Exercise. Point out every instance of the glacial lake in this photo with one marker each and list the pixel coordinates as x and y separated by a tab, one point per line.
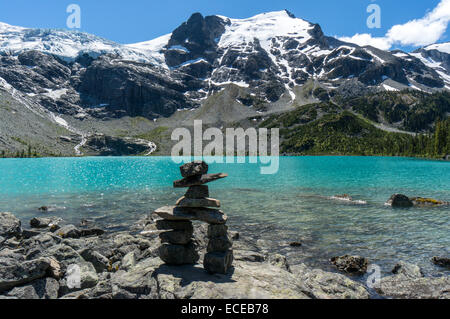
274	210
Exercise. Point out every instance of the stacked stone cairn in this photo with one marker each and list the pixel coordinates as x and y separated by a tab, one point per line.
177	247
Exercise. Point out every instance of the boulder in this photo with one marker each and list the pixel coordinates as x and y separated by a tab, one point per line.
194	168
46	288
78	276
198	180
44	222
22	273
99	261
10	225
218	262
351	264
199	191
197	202
399	200
178	254
441	261
68	231
210	216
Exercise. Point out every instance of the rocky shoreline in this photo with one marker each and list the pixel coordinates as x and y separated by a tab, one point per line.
51	260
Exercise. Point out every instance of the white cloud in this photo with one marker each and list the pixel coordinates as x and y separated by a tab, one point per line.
418	32
367	39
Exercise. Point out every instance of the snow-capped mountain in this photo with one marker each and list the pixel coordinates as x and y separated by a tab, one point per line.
67	45
274	59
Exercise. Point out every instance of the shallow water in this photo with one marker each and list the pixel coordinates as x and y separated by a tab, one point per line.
292	205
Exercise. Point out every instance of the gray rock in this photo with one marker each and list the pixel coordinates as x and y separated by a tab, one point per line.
198	180
178	254
137	281
44	222
217	231
68	231
177	237
78	276
199	191
219	244
194	168
128	261
403	287
208	215
248	255
10	226
399	200
85	232
319	284
198	202
99	261
407	269
46	288
247	280
22	273
441	261
218	262
351	264
279	261
174	225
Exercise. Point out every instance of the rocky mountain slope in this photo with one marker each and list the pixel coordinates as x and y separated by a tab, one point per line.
214	68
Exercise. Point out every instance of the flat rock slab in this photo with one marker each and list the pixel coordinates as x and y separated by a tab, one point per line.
194	168
208	215
198	180
198	202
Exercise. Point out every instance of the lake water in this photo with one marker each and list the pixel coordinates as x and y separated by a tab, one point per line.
292	205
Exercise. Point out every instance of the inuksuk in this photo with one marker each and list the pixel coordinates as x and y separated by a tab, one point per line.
177	247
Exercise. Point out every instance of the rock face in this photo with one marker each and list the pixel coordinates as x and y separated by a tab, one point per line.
351	264
399	200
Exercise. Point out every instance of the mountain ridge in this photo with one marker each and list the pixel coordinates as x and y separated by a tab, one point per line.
214	68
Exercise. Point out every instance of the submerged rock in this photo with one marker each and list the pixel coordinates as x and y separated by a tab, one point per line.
44	222
419	201
351	264
441	261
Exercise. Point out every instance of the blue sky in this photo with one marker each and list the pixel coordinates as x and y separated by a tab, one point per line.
140	20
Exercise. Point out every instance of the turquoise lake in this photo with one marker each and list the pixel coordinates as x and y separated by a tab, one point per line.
292	205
